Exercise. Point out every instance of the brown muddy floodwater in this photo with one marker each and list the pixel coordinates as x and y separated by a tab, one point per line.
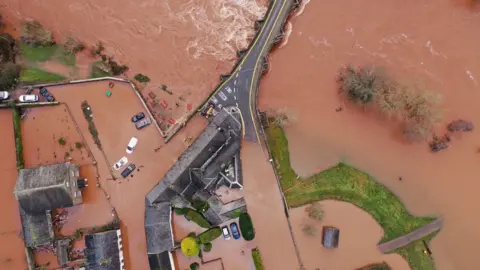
435	43
184	44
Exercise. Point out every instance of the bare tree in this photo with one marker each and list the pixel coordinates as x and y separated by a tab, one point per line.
309	230
315	211
283	116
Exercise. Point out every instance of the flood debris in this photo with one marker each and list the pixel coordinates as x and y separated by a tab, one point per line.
439	143
460	126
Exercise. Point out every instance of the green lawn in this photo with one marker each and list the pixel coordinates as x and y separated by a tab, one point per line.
348	184
30	75
42	54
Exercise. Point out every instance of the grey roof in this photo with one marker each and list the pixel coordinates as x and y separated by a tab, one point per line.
158	227
210	140
330	237
44	188
36	228
160	261
102	251
62	251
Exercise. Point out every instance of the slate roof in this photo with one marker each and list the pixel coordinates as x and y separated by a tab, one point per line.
160	261
102	251
36	228
44	188
62	251
158	227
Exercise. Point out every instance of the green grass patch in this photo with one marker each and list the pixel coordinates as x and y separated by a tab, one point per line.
345	183
39	75
210	235
96	72
45	53
17	131
257	259
415	256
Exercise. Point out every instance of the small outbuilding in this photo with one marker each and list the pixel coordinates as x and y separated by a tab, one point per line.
36	228
330	237
49	187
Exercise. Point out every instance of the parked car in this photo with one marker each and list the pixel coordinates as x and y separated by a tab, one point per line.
137	117
234	229
131	145
226	233
4	95
143	123
208	110
128	170
120	163
46	94
28	98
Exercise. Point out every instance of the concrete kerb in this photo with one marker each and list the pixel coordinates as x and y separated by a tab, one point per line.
132	85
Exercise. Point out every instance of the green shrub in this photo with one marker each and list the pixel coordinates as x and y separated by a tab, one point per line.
246	227
180	211
197	218
62	141
207	247
257	259
210	235
200	205
141	78
358	84
73	45
192	234
377	266
78	145
194	266
33	33
7	48
87	112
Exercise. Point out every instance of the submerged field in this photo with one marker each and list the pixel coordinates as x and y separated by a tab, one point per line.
348	184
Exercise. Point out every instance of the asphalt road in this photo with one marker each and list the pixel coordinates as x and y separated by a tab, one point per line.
240	88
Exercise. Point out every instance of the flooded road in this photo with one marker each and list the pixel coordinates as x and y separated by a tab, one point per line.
183	44
425	50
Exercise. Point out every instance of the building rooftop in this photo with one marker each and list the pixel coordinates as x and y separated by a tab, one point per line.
158	227
104	251
162	261
44	188
36	228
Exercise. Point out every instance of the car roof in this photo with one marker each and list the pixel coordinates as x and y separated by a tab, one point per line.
133	140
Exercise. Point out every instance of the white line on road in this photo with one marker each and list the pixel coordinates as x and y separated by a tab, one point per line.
237	104
235	97
236	76
235	82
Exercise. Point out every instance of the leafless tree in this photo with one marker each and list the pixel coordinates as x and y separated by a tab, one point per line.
283	116
315	211
309	230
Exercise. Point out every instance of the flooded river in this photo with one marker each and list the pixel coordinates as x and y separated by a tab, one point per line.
430	43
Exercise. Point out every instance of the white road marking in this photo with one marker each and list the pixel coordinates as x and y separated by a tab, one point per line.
235	97
222	96
214	100
237	104
236	76
235	82
220	106
229	90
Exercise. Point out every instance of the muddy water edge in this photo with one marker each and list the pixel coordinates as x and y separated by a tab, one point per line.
432	43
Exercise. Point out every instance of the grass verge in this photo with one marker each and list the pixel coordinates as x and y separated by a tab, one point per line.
414	254
45	53
257	259
31	75
348	184
17	129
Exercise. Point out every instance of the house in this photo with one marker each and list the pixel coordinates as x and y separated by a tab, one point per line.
49	187
104	251
63	246
158	230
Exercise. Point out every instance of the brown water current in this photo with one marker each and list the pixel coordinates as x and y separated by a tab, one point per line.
432	43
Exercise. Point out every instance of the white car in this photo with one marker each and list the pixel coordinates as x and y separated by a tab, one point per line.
4	95
120	163
28	98
131	145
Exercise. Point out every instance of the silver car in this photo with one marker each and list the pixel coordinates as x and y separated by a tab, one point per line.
28	98
143	123
4	95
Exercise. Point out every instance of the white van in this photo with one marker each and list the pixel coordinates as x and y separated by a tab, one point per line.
131	145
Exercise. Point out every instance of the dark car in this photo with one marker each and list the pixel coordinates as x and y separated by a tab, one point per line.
207	110
137	117
128	170
143	123
234	229
46	94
